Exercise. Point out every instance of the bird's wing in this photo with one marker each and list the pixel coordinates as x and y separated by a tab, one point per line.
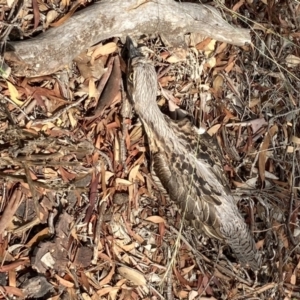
197	206
205	205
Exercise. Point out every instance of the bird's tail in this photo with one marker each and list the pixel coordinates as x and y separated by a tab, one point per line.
243	245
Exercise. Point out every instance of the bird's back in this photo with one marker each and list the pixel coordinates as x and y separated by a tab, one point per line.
190	170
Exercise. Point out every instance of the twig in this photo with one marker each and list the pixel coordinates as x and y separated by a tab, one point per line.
59	113
107	160
3	294
243	124
72	273
257	291
125	113
280	270
291	204
32	190
169	285
10	209
156	291
219	267
284	114
251	205
15	105
51	217
27	226
102	209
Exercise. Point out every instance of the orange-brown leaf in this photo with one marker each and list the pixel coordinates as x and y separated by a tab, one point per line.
262	157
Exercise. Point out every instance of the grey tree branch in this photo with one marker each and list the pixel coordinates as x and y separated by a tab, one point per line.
58	46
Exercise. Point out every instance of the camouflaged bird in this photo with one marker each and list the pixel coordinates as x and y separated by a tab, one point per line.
188	165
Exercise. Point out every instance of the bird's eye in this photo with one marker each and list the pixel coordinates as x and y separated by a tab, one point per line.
130	77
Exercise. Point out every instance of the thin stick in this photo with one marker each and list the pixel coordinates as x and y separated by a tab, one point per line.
59	113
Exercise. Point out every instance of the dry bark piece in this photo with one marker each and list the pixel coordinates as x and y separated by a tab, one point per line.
111	89
37	287
83	257
54	255
56	48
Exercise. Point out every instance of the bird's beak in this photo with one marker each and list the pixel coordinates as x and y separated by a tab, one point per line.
132	50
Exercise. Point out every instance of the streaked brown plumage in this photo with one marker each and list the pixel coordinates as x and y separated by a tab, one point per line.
188	166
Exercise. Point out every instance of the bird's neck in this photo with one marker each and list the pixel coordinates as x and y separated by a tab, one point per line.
157	126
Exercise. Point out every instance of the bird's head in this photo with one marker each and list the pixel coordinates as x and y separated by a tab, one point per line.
141	79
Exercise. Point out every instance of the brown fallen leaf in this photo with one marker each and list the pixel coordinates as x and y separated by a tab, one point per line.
292	60
104	50
281	233
66	16
136	277
10	209
218	86
156	219
14	94
203	45
214	129
106	290
36	287
181	278
64	282
10	290
109	276
36	14
262	157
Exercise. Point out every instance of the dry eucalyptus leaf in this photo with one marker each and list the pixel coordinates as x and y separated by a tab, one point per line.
14	94
177	56
292	60
85	296
214	129
172	59
156	219
10	3
262	157
253	102
132	275
133	173
193	39
218	83
93	92
51	16
209	48
192	295
104	49
203	45
108	175
97	69
123	182
182	294
49	173
132	178
211	62
249	184
295	140
290	149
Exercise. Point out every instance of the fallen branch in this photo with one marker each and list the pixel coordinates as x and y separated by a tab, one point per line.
58	46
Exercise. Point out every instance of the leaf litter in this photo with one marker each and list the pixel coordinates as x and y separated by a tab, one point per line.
81	216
